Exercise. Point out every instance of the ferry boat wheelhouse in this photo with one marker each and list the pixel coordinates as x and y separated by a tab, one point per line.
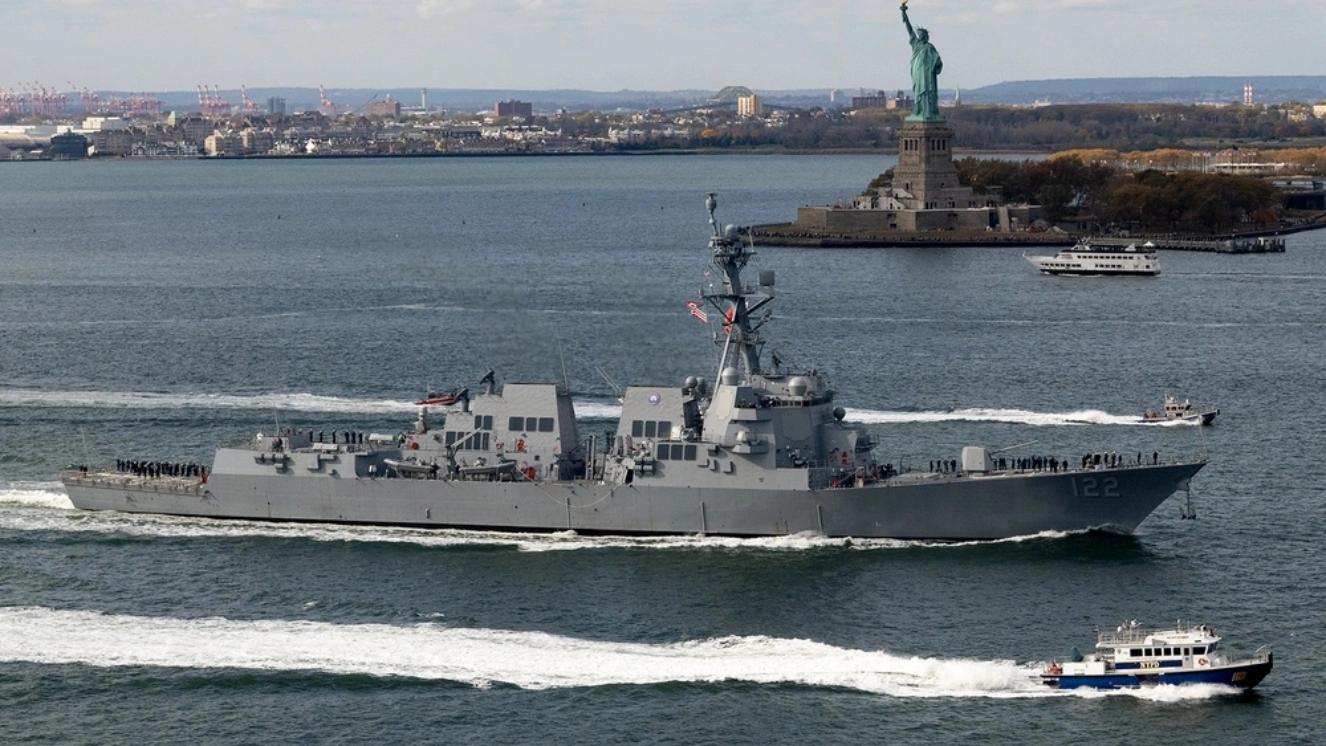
1085	259
1131	657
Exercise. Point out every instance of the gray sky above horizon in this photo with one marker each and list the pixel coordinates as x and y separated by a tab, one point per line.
660	45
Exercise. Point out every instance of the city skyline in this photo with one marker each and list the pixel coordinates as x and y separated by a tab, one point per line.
600	45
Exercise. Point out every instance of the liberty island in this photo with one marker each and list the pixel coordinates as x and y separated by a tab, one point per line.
922	197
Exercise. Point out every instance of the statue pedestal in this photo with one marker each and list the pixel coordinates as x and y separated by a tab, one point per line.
925	177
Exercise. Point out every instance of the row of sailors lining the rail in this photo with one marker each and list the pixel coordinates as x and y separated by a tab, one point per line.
1032	463
154	469
1106	460
1026	463
1112	459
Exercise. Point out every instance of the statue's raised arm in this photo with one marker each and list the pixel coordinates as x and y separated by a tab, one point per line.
907	22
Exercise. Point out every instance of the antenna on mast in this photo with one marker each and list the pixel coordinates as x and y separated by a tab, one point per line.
566	379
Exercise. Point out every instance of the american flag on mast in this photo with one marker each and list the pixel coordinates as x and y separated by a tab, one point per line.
697	312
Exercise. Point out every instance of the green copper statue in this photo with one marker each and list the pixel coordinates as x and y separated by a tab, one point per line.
926	67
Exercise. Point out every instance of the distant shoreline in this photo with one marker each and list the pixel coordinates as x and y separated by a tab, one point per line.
598	154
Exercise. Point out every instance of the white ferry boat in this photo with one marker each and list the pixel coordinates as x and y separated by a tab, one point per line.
1132	657
1084	259
1181	410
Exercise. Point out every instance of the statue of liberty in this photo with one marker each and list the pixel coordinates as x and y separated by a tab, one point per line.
926	67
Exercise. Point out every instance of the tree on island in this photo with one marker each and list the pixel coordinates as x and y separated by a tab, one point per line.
1150	201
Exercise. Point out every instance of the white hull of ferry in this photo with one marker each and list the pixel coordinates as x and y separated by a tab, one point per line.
1097	263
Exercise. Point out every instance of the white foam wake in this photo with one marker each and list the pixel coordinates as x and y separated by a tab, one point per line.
302	402
1012	416
298	402
148	525
585	408
480	657
35	494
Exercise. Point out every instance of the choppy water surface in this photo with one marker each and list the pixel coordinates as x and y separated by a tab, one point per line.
154	310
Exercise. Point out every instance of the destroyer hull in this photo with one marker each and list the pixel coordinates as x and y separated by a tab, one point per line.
956	508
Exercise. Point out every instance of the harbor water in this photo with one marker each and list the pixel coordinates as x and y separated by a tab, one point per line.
155	310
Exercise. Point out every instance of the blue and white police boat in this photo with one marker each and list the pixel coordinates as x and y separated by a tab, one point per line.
1131	656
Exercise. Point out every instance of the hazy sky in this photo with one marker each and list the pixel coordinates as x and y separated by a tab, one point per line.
613	44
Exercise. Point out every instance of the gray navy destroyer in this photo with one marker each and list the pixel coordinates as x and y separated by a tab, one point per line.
760	451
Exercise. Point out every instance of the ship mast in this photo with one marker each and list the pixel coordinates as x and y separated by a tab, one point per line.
737	303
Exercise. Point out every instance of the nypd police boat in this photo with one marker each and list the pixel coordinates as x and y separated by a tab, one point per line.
1131	656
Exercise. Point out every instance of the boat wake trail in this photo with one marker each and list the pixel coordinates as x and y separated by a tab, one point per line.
36	495
483	657
26	497
1011	416
589	409
300	402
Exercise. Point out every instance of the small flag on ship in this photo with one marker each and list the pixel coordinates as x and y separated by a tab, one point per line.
697	312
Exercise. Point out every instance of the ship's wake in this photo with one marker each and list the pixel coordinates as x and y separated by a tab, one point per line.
588	409
485	657
43	506
1009	416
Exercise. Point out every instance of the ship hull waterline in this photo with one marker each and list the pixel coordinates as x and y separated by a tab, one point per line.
949	508
1239	675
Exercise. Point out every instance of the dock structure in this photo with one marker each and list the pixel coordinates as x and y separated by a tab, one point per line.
1259	245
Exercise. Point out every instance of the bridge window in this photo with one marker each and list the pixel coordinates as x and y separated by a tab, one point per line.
1198	650
545	424
690	453
651	429
1135	652
516	424
1187	651
483	422
678	452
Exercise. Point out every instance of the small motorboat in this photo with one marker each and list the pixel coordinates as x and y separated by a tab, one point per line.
1176	410
502	470
1131	656
441	398
411	467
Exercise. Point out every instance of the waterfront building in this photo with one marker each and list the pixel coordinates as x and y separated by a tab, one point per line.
514	108
97	124
223	143
384	108
67	146
256	140
192	128
877	100
881	100
750	106
118	142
